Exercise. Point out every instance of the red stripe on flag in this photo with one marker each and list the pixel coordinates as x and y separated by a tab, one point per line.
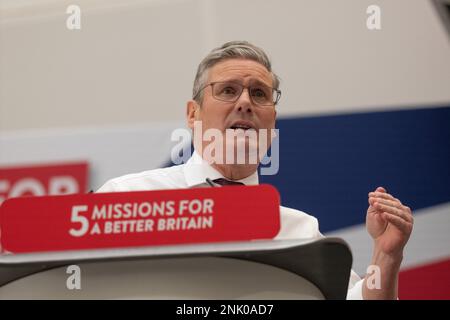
431	281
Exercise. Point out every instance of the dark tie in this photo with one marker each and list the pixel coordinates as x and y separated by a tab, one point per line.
225	182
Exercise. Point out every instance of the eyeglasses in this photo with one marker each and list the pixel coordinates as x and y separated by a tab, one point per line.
231	91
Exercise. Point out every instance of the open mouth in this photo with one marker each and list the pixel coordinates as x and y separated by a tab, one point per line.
242	126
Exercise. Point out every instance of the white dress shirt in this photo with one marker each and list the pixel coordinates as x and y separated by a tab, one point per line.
294	224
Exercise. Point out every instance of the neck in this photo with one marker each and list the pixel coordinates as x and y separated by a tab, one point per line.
236	171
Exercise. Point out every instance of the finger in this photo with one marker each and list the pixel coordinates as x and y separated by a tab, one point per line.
382	195
394	211
398	222
381	189
395	204
391	203
373	200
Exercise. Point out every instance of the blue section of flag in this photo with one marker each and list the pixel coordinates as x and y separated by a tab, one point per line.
328	164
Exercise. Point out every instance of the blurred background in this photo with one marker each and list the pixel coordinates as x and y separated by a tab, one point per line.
360	108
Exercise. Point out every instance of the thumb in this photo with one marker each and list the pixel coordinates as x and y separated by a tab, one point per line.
381	189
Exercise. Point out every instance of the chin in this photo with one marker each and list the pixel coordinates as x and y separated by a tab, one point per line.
244	152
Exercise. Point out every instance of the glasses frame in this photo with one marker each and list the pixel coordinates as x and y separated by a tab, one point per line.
274	103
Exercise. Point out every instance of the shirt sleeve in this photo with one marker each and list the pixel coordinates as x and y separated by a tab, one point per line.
109	186
355	287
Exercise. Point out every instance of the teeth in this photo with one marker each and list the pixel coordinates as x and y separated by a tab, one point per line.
240	127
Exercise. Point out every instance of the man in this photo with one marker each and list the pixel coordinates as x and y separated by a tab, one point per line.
235	89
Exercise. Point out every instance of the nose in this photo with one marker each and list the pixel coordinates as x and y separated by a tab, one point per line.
244	103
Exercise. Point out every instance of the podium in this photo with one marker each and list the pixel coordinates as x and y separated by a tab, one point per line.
262	269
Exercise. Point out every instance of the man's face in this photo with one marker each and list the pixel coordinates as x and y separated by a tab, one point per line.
227	115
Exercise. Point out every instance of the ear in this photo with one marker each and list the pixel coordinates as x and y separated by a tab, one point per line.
192	109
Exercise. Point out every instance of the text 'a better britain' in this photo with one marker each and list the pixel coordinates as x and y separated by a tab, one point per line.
139	217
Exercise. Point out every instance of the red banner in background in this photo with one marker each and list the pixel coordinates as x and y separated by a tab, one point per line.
144	218
40	180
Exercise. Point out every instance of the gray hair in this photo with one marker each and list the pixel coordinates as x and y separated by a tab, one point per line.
230	50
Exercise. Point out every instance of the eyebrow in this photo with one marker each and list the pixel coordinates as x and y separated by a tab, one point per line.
252	81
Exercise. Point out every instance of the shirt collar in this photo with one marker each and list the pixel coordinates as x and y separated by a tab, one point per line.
196	170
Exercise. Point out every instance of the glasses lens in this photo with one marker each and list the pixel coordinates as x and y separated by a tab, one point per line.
262	95
227	91
230	92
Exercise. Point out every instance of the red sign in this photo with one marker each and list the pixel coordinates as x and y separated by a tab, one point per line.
64	178
131	219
